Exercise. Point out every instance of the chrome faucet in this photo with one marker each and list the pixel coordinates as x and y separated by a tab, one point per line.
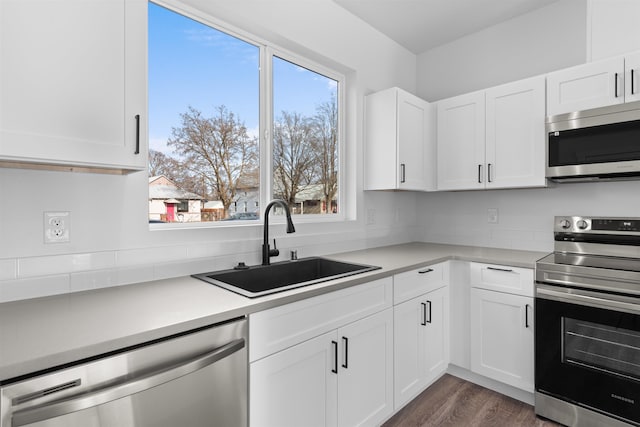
267	252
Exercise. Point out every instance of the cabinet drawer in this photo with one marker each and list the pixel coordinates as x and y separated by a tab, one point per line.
281	327
502	278
419	281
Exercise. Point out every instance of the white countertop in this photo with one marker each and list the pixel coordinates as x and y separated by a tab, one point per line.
41	333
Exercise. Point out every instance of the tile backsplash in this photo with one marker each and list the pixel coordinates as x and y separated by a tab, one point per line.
33	277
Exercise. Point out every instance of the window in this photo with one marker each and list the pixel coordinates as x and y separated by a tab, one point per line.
305	138
205	112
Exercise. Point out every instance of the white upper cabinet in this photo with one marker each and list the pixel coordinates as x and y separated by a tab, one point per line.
73	83
612	28
493	138
399	147
461	142
515	153
587	86
632	82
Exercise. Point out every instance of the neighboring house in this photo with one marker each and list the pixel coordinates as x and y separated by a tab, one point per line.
247	201
310	200
170	203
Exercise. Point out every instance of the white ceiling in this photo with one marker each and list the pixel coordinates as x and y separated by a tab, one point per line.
420	25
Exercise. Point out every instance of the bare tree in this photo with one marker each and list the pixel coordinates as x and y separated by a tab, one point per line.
293	155
218	152
326	149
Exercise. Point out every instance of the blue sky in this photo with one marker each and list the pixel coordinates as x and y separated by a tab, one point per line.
191	64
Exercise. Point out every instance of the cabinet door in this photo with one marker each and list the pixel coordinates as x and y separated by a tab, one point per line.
365	379
515	146
297	386
632	80
502	337
437	332
421	343
409	360
399	151
612	28
415	143
461	142
72	80
592	85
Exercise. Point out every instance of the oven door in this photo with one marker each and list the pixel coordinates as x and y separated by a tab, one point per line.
587	348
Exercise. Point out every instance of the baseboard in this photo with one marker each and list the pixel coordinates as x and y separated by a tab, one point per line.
498	387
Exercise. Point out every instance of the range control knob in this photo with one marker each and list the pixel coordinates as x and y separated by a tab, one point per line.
582	224
565	223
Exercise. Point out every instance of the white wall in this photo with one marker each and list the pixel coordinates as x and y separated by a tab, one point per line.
111	243
544	40
525	217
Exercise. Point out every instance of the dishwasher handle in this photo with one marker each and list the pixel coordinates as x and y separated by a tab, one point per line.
127	388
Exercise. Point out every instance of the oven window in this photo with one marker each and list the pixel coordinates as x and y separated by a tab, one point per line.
601	347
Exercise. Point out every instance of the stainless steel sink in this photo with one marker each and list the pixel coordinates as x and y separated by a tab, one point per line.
262	280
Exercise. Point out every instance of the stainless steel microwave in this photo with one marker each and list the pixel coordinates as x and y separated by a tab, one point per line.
598	144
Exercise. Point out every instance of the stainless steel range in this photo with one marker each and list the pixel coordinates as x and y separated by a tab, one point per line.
587	323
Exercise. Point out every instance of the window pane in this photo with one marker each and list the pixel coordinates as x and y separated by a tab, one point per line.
203	121
305	139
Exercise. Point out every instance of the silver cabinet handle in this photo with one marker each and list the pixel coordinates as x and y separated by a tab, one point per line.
135	385
403	171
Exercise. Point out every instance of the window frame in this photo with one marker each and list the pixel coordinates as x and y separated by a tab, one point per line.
267	51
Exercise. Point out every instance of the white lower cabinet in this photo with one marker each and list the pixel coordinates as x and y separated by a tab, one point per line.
354	356
421	343
502	337
365	372
343	377
296	386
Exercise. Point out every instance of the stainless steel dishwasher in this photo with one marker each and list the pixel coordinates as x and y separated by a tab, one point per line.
195	379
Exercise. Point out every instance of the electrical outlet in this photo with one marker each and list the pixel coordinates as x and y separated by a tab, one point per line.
371	216
57	227
492	215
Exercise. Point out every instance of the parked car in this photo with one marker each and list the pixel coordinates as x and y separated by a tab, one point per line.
245	216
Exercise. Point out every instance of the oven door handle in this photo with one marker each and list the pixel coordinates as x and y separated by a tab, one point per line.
127	388
587	298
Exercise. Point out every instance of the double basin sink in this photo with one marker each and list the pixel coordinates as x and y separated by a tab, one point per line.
263	280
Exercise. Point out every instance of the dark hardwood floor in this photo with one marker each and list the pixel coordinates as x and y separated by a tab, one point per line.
451	401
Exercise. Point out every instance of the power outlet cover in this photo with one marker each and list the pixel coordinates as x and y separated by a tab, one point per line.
492	215
57	227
